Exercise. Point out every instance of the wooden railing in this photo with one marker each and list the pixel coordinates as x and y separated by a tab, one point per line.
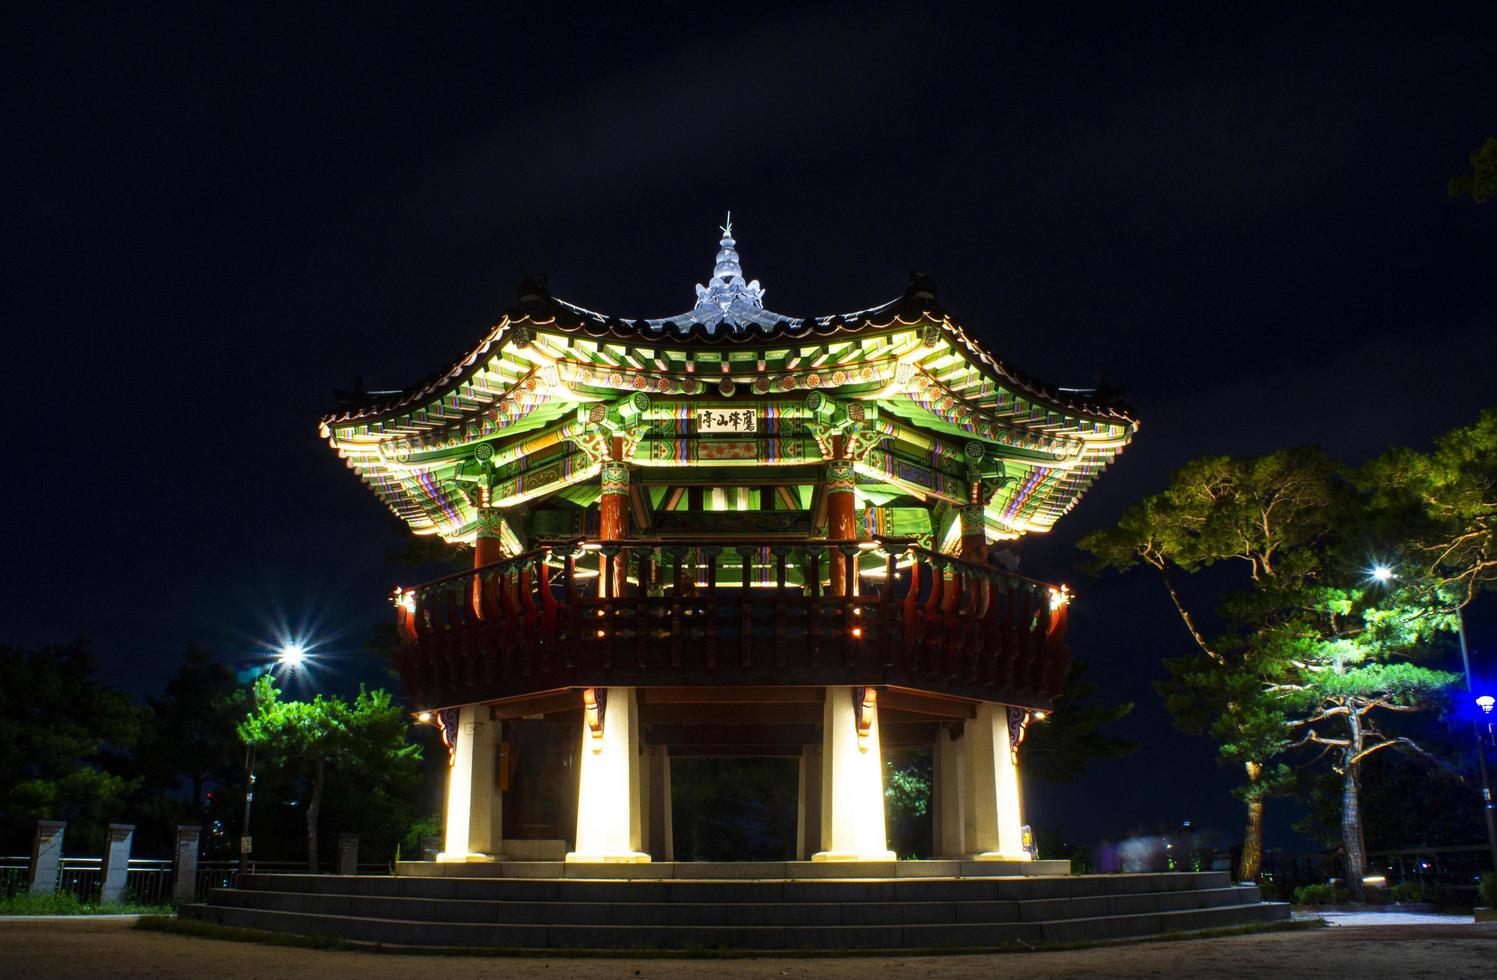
693	612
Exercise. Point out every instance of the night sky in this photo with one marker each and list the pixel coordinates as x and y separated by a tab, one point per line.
218	214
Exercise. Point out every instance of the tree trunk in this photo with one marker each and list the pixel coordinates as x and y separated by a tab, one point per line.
1352	844
314	807
1252	834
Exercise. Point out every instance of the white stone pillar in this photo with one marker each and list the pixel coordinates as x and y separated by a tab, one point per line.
474	826
185	864
348	854
46	856
946	811
116	862
992	820
852	783
609	828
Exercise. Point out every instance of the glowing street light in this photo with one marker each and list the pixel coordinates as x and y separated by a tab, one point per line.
1382	573
291	655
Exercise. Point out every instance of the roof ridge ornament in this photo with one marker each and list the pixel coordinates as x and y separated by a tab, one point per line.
728	298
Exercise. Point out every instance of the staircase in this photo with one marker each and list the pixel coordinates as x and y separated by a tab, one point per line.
675	912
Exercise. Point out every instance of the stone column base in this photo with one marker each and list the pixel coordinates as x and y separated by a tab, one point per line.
849	856
1000	856
460	857
635	857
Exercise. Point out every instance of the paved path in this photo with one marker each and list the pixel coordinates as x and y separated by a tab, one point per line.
110	948
1387	918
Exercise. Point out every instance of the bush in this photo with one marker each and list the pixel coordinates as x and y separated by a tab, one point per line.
69	904
1407	891
410	845
1272	891
1318	895
27	904
1488	890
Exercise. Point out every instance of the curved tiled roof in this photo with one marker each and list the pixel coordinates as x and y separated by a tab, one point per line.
949	403
537	307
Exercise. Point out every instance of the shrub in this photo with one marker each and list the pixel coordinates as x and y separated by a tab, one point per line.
1272	891
68	904
63	903
1407	891
1318	895
1488	890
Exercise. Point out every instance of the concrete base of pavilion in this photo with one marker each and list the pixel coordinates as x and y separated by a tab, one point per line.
904	905
730	870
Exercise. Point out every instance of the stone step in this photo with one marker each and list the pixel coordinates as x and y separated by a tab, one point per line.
747	870
805	936
683	890
729	913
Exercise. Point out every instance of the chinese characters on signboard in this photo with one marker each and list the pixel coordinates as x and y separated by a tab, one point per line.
721	420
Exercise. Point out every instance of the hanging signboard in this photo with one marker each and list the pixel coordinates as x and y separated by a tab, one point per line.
727	420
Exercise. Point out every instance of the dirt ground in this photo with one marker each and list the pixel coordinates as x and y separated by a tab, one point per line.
110	948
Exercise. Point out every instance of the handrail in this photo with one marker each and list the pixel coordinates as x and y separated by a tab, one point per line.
468	572
668	609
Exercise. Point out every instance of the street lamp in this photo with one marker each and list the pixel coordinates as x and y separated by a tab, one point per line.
1485	702
1383	574
290	656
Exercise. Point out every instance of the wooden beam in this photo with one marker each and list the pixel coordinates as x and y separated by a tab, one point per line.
887	716
924	703
730	694
756	735
730	714
548	702
639	503
737	752
904	735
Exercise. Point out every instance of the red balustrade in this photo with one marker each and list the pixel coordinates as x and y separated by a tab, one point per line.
691	612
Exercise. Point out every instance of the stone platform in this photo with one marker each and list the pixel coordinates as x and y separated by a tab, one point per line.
721	870
756	906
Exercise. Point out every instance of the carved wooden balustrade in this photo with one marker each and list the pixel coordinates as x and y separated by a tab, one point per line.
692	612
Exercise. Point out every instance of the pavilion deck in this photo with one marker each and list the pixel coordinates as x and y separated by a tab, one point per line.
689	612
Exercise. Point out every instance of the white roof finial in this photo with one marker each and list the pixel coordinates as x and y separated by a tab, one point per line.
727	296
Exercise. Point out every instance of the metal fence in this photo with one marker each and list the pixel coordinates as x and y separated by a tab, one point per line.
1281	873
1449	875
150	881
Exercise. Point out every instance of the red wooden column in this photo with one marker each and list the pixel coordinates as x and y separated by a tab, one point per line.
974	534
613	506
488	546
841	512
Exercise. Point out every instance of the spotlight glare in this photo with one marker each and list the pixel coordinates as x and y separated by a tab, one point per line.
291	655
1383	573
